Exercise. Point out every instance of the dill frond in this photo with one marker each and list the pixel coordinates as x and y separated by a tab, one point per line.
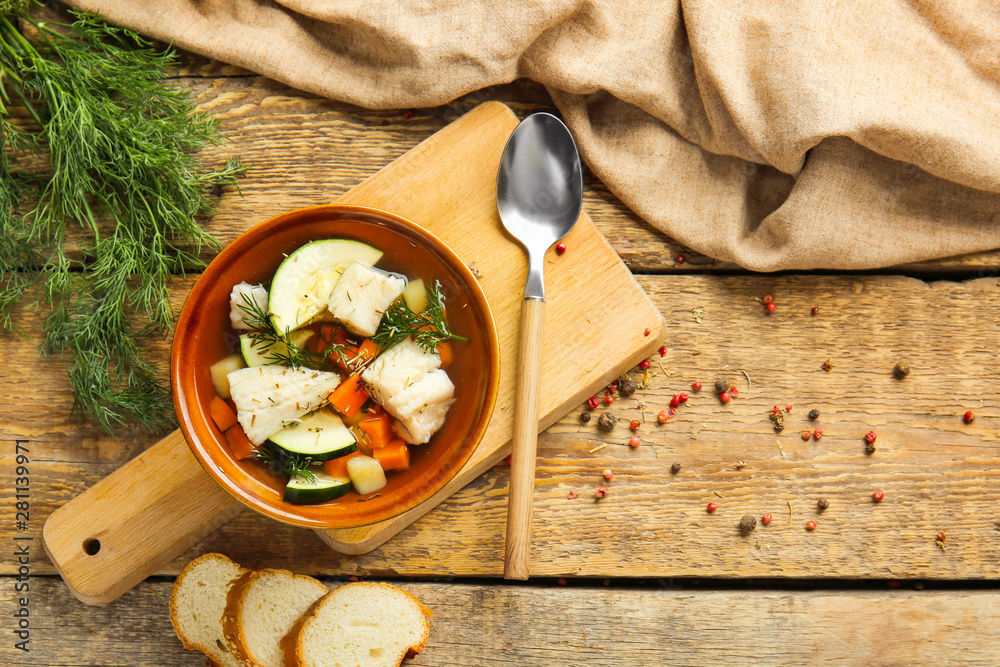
427	328
116	144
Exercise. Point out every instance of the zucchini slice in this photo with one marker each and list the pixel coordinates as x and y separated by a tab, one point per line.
304	281
300	491
319	436
254	355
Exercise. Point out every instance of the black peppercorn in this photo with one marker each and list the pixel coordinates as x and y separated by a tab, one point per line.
675	468
814	414
722	384
869	448
585	417
779	426
626	387
748	523
900	371
607	421
823	503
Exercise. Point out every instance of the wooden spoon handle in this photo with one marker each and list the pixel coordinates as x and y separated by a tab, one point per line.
522	462
131	523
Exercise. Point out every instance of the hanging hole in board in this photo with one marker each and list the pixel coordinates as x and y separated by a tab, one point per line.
91	546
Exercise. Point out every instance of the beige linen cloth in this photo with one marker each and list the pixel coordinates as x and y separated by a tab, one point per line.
775	134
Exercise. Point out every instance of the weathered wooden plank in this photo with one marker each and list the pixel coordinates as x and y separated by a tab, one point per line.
938	473
479	625
302	150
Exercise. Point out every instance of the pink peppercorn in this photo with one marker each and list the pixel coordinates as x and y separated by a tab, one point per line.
634	441
601	492
560	248
645	363
711	507
608	473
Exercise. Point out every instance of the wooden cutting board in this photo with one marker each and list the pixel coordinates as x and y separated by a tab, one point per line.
598	323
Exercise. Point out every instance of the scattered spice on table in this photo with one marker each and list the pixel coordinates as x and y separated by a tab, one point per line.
699	314
722	384
877	496
572	495
771	307
601	492
789	509
725	397
968	417
560	248
626	387
822	503
815	310
740	465
748	523
900	370
711	507
680	259
827	366
607	421
940	540
634	424
585	417
766	519
695	386
597	449
813	414
818	433
634	441
675	468
664	415
806	435
608	473
810	525
663	351
593	402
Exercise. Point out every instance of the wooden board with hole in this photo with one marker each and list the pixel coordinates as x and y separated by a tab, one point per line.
446	184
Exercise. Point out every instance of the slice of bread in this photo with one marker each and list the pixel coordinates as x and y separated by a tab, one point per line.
197	602
364	624
262	608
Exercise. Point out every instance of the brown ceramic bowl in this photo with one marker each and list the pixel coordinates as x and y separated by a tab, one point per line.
204	336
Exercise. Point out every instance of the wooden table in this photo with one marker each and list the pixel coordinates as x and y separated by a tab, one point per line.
645	576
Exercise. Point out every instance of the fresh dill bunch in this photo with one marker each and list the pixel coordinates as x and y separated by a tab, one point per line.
427	328
284	463
114	150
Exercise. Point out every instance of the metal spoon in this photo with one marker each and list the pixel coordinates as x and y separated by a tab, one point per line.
539	195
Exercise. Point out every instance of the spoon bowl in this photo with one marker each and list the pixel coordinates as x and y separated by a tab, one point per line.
539	197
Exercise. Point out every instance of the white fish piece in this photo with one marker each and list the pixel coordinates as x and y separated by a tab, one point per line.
362	295
410	384
420	426
396	368
267	397
242	292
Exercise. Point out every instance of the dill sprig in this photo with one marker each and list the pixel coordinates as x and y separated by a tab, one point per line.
284	463
427	328
277	345
279	348
109	148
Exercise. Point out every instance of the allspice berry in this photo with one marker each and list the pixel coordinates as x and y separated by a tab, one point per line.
748	523
722	384
626	387
814	414
900	371
823	503
675	468
607	421
585	417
